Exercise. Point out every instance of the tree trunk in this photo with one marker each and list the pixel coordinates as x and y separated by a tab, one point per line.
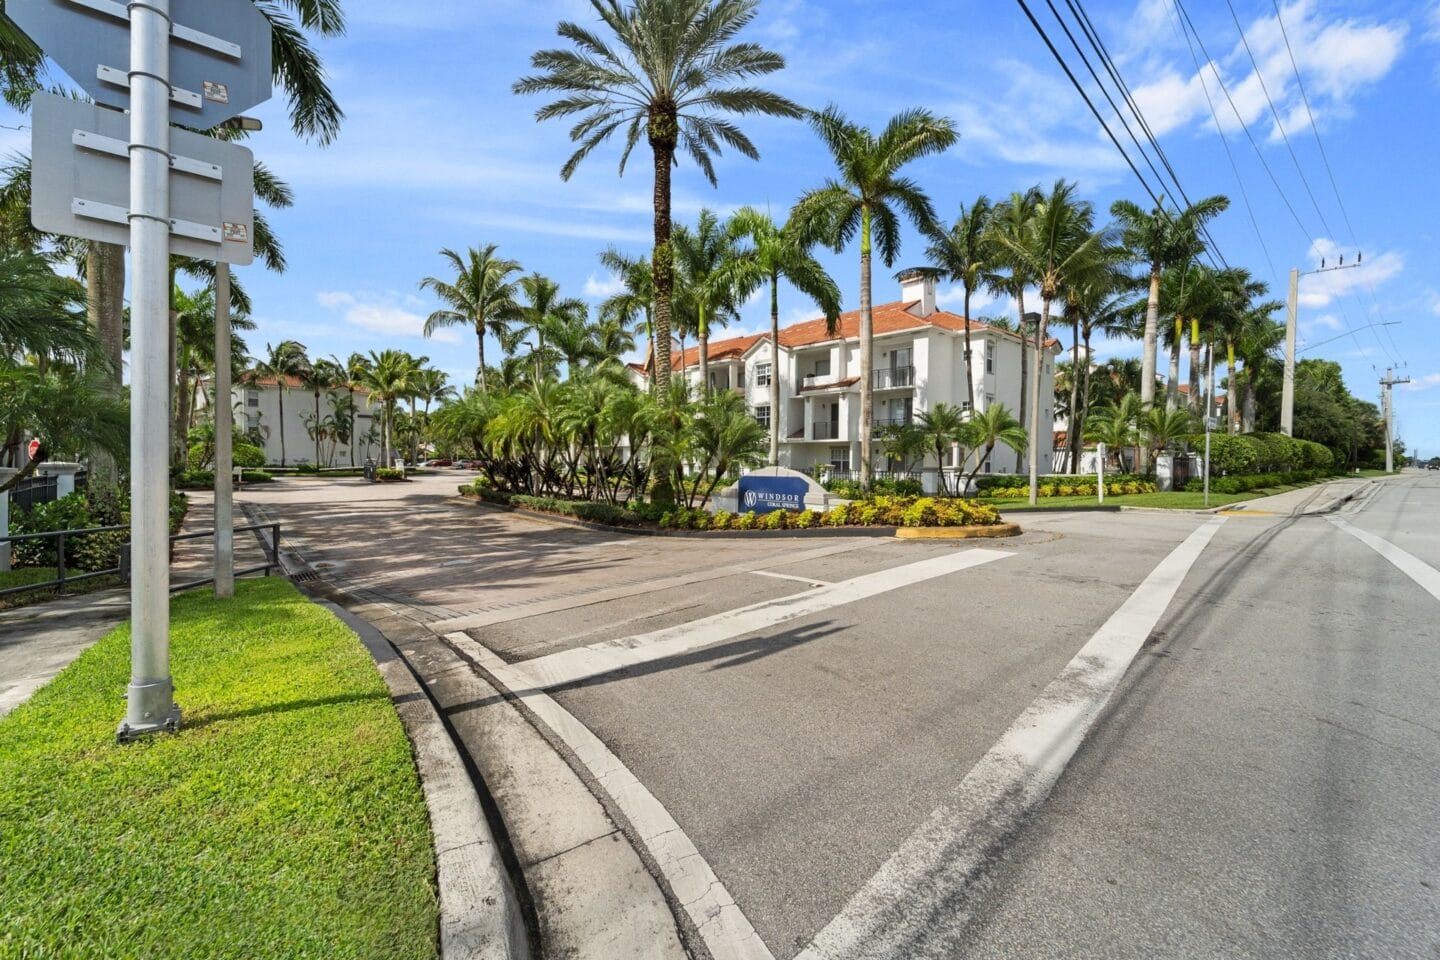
317	429
1080	416
1147	361
105	310
1172	382
702	337
1073	466
774	369
351	444
280	392
1247	419
867	345
1195	405
1037	366
1024	359
480	348
663	130
969	355
1232	392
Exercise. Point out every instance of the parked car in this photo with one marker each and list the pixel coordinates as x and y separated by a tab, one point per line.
439	463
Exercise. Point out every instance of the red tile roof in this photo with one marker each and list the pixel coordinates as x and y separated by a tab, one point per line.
885	318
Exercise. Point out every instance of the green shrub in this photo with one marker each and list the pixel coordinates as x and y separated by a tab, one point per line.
245	455
389	474
256	476
313	469
196	480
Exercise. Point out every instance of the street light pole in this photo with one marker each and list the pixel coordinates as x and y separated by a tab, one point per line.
151	700
1385	385
224	450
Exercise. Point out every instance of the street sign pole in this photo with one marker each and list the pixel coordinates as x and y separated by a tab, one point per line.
1100	471
224	421
1209	425
151	701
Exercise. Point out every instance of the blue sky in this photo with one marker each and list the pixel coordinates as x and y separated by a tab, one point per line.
436	152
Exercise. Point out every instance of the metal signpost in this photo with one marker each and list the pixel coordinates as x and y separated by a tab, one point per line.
1100	471
194	62
1210	424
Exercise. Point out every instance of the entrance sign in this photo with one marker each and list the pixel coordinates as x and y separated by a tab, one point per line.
766	494
219	53
80	182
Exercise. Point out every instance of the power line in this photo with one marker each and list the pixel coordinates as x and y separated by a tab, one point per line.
1088	102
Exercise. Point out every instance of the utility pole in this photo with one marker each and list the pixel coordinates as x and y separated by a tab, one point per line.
224	449
1287	388
1385	385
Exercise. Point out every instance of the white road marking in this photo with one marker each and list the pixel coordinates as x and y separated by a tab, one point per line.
608	656
1412	566
722	924
916	906
790	576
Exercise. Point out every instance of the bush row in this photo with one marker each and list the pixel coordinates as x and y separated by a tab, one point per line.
200	455
205	479
1073	487
851	489
579	509
1255	481
78	511
389	474
1262	453
986	484
875	512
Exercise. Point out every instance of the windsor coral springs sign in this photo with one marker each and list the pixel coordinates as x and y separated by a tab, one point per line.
765	494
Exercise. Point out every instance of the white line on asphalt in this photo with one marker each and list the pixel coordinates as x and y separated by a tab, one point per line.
790	576
722	924
1412	566
915	907
608	656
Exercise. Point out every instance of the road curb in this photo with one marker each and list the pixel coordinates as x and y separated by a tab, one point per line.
481	916
958	533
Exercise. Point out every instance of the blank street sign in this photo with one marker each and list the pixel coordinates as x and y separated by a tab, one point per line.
219	52
80	182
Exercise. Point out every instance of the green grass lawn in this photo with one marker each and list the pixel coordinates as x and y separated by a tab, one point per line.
284	820
1178	500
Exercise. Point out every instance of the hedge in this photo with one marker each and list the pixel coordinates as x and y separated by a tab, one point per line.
875	512
1262	453
1001	481
1255	481
851	489
389	474
587	510
1073	487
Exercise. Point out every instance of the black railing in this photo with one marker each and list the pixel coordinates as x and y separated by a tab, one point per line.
824	430
63	577
894	377
877	426
33	491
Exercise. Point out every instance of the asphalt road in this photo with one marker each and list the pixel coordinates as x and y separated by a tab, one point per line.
1260	784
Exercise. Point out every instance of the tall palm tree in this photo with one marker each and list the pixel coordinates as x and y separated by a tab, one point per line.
632	306
1096	304
702	256
320	377
389	379
943	427
1117	426
867	199
1059	244
1161	238
965	254
353	374
1010	220
481	296
776	252
281	362
666	69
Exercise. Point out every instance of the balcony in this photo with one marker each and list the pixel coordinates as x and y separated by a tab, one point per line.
894	378
824	430
878	427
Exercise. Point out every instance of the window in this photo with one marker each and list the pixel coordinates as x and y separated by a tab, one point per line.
822	366
252	399
762	376
989	358
986	466
762	415
840	459
904	409
964	405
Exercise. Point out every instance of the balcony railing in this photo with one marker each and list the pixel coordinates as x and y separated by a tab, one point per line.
878	427
894	377
824	430
818	380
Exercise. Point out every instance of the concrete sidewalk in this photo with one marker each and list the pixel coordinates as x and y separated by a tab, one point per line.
38	641
1307	501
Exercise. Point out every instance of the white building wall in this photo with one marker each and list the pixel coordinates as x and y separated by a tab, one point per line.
260	405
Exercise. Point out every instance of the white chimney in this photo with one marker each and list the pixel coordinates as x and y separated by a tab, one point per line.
918	288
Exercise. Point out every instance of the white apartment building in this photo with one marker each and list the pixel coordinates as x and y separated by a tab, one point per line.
919	362
257	408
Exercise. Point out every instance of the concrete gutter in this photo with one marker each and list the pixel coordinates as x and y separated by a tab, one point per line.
481	916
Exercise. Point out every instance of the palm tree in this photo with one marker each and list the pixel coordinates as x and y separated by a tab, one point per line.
992	426
1163	428
1259	340
632	306
282	361
667	70
1010	220
389	379
943	427
1096	303
320	377
1161	239
776	252
542	311
965	254
481	296
1058	246
353	375
702	256
864	200
1117	426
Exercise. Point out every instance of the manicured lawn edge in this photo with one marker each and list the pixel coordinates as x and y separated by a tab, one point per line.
652	530
285	819
993	530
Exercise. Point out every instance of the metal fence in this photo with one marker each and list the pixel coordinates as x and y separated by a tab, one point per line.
63	576
32	491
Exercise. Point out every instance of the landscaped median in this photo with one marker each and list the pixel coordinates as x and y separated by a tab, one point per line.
285	819
961	518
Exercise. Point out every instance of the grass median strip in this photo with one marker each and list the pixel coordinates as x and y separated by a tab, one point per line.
284	820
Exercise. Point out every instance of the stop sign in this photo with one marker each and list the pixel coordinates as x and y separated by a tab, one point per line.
34	449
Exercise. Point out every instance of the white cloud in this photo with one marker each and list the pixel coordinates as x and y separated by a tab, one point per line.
598	288
1427	382
381	314
1435	306
1326	321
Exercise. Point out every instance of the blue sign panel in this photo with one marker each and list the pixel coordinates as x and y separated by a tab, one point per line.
764	494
